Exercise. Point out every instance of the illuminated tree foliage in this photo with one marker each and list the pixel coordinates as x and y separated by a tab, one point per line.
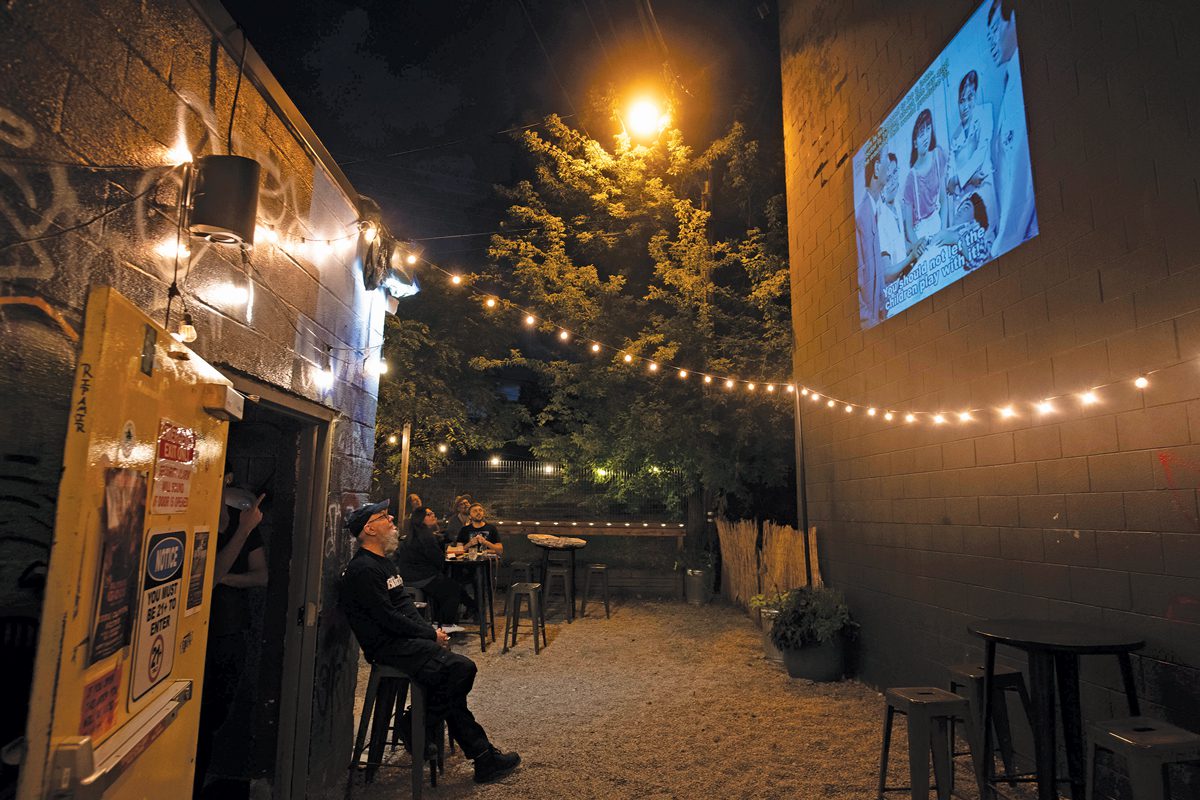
615	246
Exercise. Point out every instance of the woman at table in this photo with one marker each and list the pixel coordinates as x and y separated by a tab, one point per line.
478	532
421	558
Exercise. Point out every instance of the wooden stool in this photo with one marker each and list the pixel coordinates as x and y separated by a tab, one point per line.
537	615
1148	746
929	711
379	704
970	676
602	571
563	573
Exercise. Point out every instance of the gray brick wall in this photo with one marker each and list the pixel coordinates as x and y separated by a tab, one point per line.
1089	513
117	83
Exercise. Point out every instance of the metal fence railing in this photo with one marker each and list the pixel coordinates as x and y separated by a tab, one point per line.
543	490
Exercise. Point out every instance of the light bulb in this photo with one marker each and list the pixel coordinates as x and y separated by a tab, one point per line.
392	439
376	366
495	461
790	388
770	387
849	409
595	347
442	448
628	358
728	384
529	319
814	397
187	331
831	403
1141	382
1008	412
653	367
370	232
456	279
870	412
1045	407
683	373
750	387
910	418
1088	398
490	302
804	391
938	419
964	416
179	155
708	378
889	416
564	335
411	259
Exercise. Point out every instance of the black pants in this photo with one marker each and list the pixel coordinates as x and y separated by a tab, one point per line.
222	673
447	678
444	595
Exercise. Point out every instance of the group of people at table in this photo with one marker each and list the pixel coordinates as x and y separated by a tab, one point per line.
422	555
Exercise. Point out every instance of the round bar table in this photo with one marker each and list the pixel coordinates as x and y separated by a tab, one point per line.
569	544
1053	649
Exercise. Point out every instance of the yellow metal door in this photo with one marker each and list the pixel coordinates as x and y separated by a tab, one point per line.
116	695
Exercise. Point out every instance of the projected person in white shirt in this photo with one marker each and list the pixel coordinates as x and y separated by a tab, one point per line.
1010	148
871	303
971	149
898	258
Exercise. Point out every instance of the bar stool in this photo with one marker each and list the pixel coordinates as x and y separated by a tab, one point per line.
929	711
537	615
602	571
562	572
1148	746
379	714
522	569
970	676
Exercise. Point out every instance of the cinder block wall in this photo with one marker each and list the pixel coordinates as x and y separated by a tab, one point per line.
1086	515
115	84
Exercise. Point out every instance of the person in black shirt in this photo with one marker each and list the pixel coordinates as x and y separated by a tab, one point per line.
391	631
479	532
422	560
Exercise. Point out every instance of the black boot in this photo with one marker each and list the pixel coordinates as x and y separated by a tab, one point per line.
493	765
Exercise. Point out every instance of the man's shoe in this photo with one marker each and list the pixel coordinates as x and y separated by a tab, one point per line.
494	765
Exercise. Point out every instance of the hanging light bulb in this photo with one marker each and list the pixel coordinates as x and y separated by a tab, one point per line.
627	358
392	439
938	419
964	416
376	366
595	347
870	412
456	279
889	416
1045	407
849	408
564	335
1008	412
653	367
708	378
370	232
791	388
815	397
728	384
1141	382
442	448
1088	398
187	331
750	387
490	302
530	320
683	373
804	391
770	387
910	418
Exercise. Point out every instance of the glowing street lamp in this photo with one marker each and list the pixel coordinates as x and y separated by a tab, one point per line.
645	119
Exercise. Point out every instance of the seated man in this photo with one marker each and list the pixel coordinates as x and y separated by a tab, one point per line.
479	532
392	631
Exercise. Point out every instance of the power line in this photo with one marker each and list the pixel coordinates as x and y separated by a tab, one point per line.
550	63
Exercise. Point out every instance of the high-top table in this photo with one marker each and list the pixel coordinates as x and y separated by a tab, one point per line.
1053	649
567	544
481	566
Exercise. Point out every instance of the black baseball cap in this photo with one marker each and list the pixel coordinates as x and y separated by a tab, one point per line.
358	518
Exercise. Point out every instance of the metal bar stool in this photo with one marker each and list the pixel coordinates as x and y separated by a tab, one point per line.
1148	746
929	711
522	569
602	571
563	573
970	677
379	714
537	615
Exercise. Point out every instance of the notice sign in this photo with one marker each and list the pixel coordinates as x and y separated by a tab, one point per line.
100	703
195	592
158	611
173	467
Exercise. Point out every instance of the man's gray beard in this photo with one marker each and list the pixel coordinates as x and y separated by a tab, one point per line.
391	542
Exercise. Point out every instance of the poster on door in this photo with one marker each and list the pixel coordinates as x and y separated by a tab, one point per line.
121	530
174	463
195	592
158	611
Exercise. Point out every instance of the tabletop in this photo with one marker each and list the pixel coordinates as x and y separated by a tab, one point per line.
556	542
1059	636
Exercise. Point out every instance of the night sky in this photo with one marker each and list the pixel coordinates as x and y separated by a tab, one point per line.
435	81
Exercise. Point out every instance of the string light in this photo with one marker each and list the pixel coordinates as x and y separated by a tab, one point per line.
1141	382
653	367
889	416
1045	407
683	373
870	412
791	388
849	409
456	279
964	416
803	391
564	335
910	418
595	347
627	358
750	387
530	320
729	384
376	366
187	331
708	378
490	302
392	439
938	419
770	387
442	448
1008	412
831	403
814	397
1088	398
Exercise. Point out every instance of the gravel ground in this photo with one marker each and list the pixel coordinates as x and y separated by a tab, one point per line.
663	700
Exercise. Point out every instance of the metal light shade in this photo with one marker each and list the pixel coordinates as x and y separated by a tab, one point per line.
225	200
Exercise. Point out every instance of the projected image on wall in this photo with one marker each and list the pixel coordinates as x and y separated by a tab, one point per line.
945	184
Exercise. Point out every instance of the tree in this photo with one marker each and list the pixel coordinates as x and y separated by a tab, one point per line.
612	247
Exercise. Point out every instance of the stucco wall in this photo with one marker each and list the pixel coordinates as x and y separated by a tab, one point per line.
1085	514
114	85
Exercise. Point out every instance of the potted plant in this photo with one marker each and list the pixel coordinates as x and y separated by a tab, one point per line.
768	607
697	567
811	630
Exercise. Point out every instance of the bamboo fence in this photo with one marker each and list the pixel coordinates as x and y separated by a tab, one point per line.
739	560
777	567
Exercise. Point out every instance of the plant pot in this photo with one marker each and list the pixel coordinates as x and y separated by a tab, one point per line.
695	586
818	662
770	651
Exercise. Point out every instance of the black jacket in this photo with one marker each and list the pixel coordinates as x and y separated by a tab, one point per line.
382	614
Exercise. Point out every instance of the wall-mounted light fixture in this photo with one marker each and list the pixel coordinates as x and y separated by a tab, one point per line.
224	203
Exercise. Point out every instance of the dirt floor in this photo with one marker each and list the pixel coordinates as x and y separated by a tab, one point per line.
663	700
